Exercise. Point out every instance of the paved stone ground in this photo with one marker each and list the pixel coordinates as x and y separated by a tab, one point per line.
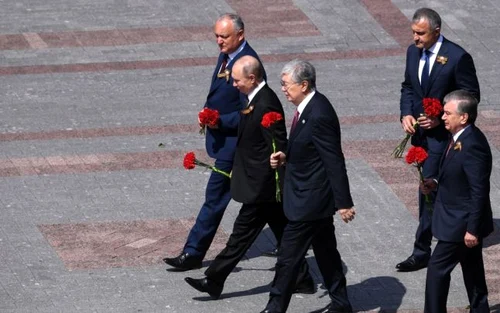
89	204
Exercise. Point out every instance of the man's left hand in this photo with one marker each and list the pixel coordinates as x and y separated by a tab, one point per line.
425	122
470	240
347	214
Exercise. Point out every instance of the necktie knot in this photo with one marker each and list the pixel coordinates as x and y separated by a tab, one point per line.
225	58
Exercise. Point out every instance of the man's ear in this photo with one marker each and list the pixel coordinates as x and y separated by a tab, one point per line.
465	118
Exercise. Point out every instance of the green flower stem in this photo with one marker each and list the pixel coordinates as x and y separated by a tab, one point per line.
400	149
213	168
427	198
220	172
276	177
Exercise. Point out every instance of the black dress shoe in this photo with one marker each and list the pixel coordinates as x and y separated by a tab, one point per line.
411	264
205	285
271	253
267	311
184	262
331	309
306	287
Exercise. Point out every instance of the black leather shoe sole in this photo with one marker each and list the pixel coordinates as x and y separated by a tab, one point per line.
307	291
411	268
271	253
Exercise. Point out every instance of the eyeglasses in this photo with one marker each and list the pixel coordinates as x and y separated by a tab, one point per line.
286	85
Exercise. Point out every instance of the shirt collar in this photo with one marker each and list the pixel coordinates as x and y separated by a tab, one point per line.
435	47
252	94
455	137
235	53
304	102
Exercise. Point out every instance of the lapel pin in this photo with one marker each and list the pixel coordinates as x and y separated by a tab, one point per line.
441	59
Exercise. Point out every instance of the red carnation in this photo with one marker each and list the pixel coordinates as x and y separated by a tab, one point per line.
209	117
270	118
189	161
432	107
416	156
267	121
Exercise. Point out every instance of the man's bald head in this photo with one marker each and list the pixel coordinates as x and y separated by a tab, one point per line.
250	66
247	74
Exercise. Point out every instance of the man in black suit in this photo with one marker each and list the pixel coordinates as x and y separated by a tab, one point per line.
462	214
435	66
252	181
220	141
315	187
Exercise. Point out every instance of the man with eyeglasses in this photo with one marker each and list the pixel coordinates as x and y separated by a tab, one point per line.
316	187
253	182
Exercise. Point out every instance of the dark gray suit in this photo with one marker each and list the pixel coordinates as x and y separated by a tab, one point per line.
315	186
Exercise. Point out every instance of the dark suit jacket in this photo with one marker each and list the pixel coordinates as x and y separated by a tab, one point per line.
223	97
458	73
316	182
463	195
253	179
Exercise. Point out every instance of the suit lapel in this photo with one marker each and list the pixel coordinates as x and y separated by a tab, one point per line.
217	82
448	157
302	121
416	54
437	67
245	118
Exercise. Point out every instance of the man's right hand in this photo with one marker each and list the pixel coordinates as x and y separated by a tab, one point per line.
407	123
429	185
277	159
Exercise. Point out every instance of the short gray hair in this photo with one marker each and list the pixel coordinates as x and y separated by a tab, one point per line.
235	18
299	71
467	103
428	14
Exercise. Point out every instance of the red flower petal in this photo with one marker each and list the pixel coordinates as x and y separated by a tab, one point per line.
432	107
189	161
270	118
209	117
416	155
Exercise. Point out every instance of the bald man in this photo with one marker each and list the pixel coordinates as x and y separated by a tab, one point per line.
253	180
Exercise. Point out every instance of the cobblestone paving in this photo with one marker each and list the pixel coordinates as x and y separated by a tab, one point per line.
90	204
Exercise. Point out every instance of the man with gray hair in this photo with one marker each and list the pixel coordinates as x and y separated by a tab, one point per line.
462	215
220	140
315	188
435	66
253	180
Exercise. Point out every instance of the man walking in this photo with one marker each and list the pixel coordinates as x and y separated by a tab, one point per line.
220	141
316	186
462	214
435	66
253	180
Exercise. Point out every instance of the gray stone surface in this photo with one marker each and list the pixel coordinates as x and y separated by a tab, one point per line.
33	277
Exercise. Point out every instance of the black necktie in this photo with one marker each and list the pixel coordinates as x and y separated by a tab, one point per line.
424	79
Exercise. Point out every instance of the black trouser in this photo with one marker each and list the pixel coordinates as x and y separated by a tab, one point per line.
445	257
297	238
248	224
